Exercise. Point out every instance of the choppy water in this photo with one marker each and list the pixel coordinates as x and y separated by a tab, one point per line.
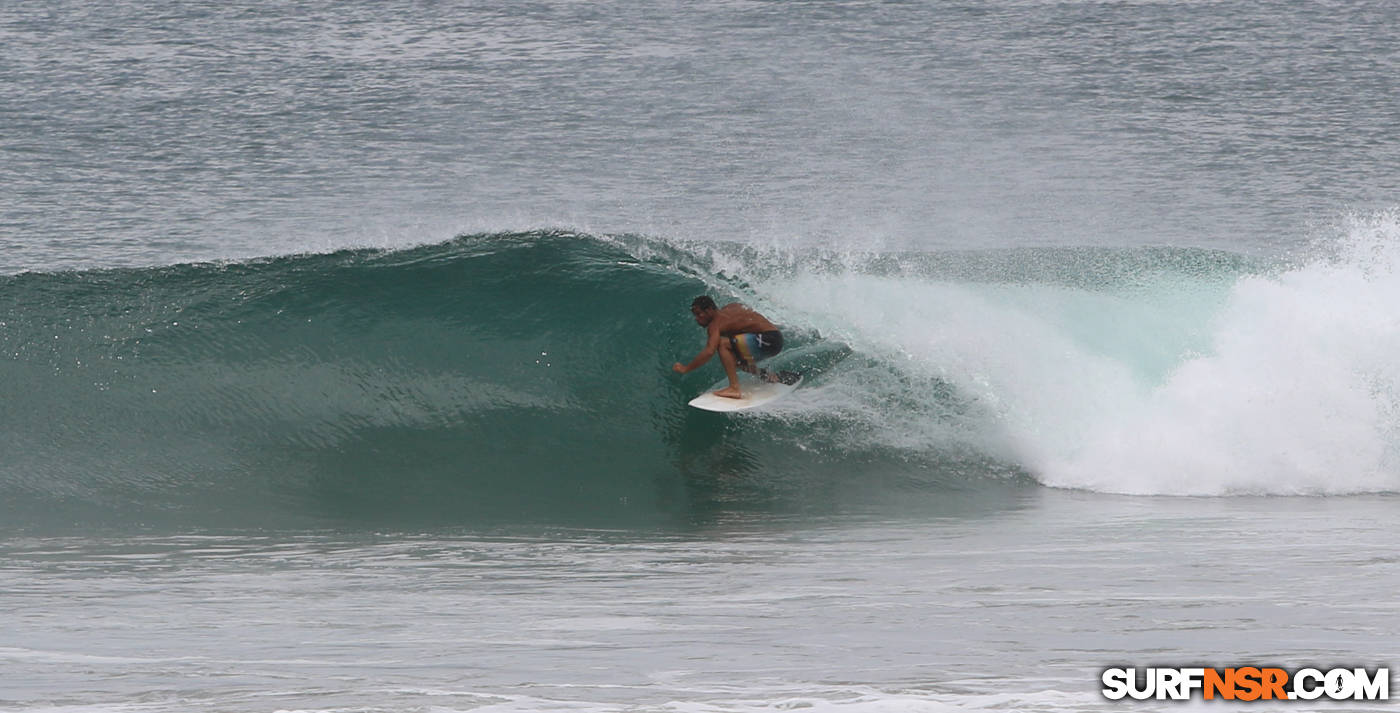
335	346
1016	606
149	133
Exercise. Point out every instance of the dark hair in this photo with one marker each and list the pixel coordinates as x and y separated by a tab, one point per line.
703	302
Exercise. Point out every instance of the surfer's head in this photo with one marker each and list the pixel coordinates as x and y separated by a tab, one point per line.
704	310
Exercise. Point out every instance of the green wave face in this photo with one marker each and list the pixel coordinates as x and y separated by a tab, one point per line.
493	379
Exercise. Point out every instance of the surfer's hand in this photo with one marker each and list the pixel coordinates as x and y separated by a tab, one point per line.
678	367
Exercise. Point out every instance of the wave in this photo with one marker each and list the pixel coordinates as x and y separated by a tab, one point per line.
525	376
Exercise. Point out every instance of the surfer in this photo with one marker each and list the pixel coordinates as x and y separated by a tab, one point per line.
740	335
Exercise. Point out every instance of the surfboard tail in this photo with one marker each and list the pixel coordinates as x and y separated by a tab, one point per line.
787	378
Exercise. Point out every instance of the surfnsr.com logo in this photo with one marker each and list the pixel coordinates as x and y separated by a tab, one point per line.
1247	683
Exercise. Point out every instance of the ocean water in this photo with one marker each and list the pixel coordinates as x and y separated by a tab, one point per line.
335	347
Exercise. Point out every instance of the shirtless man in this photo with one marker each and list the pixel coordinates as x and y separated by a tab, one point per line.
740	335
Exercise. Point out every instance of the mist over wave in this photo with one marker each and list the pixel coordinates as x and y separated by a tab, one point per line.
1194	374
500	377
1295	391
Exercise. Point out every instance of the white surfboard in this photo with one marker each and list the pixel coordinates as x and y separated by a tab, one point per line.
756	392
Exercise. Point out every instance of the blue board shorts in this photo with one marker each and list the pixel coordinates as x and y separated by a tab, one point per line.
751	348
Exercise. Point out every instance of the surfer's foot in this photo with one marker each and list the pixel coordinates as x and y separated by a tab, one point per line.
729	392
